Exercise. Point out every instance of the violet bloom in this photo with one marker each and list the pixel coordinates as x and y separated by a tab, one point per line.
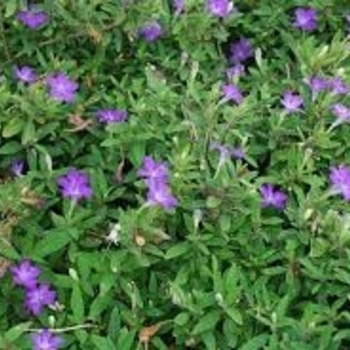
75	185
25	74
220	8
111	115
235	71
347	18
338	86
151	32
271	197
292	102
178	6
227	152
238	153
240	51
340	181
25	274
341	112
159	193
305	18
45	340
317	84
232	93
17	168
33	17
62	88
39	297
153	170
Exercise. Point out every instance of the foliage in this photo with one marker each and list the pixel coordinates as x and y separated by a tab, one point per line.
219	271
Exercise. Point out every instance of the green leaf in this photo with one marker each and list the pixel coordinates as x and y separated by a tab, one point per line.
126	339
114	323
177	250
235	315
7	250
10	147
207	322
13	127
15	332
53	241
77	304
256	343
102	343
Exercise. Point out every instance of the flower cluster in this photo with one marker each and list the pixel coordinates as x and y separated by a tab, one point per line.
38	295
155	175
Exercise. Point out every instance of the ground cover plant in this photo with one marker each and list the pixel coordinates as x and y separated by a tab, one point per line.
174	174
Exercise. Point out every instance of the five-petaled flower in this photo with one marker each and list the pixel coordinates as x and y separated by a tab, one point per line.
292	102
111	115
340	181
33	17
25	74
305	18
272	197
220	8
75	185
61	88
240	50
338	86
178	6
25	274
151	31
317	84
38	297
231	92
46	340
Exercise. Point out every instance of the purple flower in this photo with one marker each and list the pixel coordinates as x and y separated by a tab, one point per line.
305	18
271	197
240	51
45	340
220	8
39	297
317	84
227	152
153	170
292	102
178	6
25	274
159	193
151	32
341	112
62	88
25	74
75	185
340	181
33	17
232	93
338	86
238	153
111	115
235	71
17	168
